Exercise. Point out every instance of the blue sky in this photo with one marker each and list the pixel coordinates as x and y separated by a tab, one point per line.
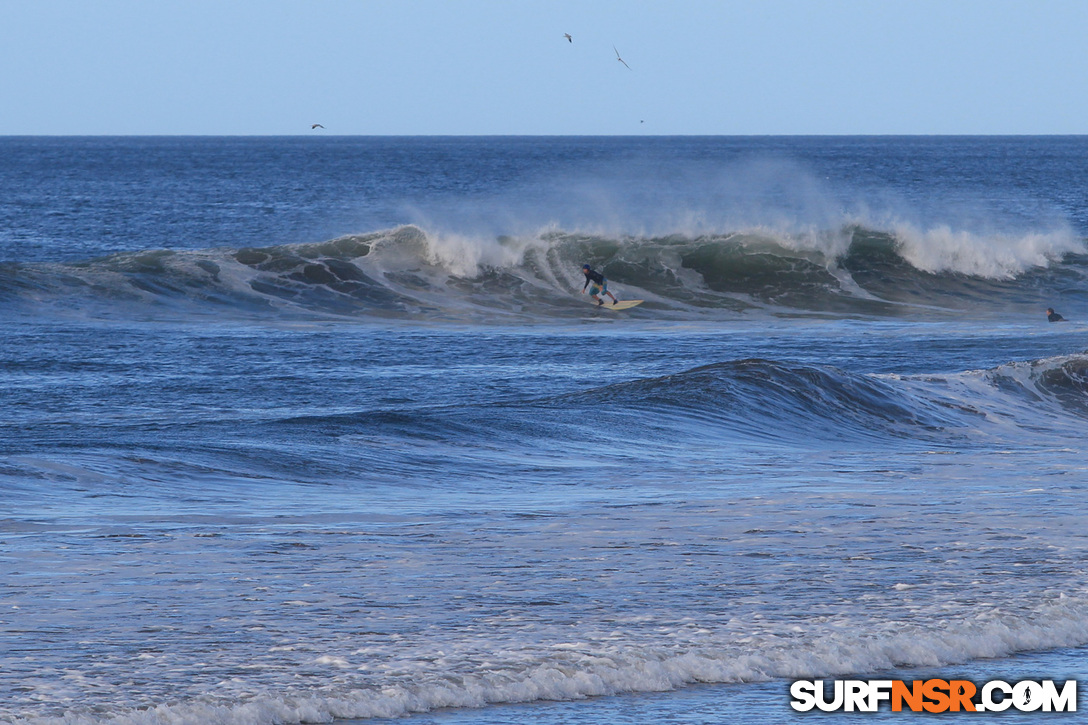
487	67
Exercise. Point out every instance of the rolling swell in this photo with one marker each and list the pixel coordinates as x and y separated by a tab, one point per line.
772	400
1061	381
749	400
408	273
756	399
740	401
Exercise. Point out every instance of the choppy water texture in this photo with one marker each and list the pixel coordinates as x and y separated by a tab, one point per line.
309	429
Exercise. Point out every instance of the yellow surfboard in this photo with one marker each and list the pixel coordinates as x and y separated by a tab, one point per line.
621	305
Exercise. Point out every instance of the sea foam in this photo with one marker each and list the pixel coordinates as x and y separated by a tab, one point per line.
577	670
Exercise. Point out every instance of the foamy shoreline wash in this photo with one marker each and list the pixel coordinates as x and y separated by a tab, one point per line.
932	614
306	430
752	702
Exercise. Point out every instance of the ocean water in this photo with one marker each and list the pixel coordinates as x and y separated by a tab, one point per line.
315	429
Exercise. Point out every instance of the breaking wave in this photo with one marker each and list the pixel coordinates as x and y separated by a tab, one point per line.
407	272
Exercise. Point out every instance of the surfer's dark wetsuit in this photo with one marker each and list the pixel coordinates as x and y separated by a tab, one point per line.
1053	316
600	284
592	276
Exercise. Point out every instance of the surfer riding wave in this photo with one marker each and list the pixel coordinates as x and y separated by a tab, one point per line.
599	285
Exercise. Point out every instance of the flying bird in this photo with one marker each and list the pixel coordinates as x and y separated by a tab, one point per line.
567	36
316	125
621	60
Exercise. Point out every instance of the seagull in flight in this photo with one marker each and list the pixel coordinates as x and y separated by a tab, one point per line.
316	125
567	36
621	60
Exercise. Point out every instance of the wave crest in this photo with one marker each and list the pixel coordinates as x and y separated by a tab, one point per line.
409	272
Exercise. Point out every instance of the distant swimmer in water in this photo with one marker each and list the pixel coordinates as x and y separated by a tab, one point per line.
600	285
1053	316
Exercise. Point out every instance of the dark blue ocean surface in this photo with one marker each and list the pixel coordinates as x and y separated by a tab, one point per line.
72	199
304	429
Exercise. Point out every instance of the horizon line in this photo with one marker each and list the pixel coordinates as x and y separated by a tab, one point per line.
537	135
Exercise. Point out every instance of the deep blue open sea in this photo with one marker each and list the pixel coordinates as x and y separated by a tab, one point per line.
313	429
